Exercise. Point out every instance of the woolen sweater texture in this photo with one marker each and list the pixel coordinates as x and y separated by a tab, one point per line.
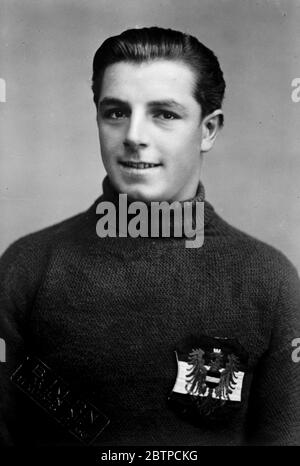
107	314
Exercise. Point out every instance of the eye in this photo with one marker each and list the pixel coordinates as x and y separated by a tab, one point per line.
115	114
166	115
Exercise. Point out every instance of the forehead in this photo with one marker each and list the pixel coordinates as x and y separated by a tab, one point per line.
148	81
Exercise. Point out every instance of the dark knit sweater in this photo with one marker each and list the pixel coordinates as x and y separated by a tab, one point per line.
107	314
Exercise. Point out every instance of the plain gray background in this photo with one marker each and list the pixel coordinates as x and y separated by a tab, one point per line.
50	163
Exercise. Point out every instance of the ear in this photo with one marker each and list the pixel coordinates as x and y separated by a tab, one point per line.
211	125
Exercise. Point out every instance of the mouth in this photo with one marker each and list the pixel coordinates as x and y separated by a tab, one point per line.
140	165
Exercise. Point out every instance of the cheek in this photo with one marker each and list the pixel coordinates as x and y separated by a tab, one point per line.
183	147
109	140
195	138
186	135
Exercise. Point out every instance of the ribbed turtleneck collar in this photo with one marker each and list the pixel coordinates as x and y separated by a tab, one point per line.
111	195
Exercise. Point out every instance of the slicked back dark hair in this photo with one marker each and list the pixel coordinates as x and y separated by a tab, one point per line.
154	43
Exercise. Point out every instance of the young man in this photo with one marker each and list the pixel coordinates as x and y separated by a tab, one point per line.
146	340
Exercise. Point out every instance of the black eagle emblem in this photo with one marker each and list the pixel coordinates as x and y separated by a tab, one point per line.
212	378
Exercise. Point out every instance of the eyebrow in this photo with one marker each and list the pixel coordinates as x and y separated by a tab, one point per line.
107	101
170	103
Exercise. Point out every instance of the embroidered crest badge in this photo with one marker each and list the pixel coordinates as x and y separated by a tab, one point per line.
210	375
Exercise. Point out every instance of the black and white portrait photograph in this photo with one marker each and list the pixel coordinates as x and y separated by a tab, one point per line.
150	225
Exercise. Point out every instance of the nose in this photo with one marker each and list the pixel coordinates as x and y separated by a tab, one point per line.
136	135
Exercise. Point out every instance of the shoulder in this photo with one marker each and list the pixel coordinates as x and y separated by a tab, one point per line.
247	256
34	248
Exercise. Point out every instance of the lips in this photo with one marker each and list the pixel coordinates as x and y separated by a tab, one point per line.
140	165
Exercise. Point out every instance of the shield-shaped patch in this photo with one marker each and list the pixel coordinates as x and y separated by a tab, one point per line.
210	376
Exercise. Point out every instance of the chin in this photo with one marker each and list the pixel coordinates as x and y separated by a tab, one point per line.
140	195
145	195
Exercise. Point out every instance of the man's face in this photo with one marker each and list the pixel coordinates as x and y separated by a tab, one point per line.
150	130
